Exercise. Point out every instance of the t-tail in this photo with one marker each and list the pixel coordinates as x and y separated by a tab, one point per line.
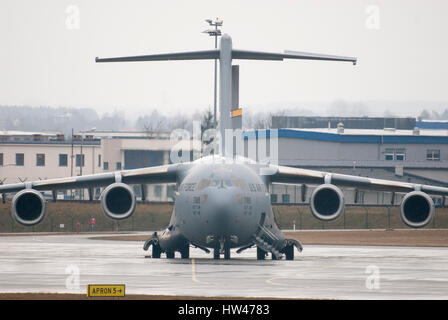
228	99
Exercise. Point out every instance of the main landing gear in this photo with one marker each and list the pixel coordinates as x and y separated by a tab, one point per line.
154	242
261	254
185	251
217	253
157	250
287	250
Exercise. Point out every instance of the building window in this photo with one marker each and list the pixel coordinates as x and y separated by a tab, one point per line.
1	159
170	192
395	154
97	193
285	198
137	191
274	198
99	161
389	156
157	191
40	159
433	155
63	160
400	155
118	166
20	159
79	160
360	197
106	165
134	159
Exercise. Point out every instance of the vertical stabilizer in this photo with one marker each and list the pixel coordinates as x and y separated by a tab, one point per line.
225	88
237	113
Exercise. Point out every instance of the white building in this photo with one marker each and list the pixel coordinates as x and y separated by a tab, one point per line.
30	156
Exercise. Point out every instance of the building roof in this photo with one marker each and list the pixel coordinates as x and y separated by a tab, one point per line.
126	134
28	133
433	124
382	136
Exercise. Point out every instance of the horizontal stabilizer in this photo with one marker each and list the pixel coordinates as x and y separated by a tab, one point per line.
236	54
191	55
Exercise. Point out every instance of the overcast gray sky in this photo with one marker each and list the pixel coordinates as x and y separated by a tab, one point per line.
48	49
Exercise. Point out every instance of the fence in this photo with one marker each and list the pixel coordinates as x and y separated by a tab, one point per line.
299	216
69	216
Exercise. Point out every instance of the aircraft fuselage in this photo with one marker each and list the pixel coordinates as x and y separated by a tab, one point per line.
220	205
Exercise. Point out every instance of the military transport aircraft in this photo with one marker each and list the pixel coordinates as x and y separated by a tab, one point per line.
222	201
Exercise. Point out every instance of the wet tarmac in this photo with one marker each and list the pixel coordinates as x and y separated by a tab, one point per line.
68	263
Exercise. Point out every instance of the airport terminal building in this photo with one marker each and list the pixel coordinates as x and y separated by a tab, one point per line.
415	151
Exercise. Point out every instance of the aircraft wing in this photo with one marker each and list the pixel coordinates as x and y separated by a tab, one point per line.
149	175
293	175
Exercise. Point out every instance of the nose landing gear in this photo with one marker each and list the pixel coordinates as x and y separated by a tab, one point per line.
223	248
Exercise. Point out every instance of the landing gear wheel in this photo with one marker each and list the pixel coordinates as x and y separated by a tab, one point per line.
216	254
227	253
289	252
156	251
170	255
261	254
185	252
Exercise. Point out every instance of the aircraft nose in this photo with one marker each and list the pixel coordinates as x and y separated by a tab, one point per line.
222	206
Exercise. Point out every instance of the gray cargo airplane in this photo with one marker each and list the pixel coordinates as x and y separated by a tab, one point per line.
222	202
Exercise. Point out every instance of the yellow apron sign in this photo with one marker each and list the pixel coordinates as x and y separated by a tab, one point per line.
105	290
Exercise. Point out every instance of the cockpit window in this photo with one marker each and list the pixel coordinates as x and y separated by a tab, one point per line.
239	183
257	187
204	183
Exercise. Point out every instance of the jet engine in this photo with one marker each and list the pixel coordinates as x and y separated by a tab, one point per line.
327	202
118	201
28	207
417	209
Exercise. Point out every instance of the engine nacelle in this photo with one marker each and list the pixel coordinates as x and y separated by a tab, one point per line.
417	209
28	207
327	202
118	201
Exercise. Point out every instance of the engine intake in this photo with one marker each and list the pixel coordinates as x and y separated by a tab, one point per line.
118	201
28	207
327	202
417	209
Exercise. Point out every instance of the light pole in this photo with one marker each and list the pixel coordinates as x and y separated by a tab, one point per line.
214	33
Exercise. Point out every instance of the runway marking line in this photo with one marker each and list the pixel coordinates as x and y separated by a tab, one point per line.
193	270
193	273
